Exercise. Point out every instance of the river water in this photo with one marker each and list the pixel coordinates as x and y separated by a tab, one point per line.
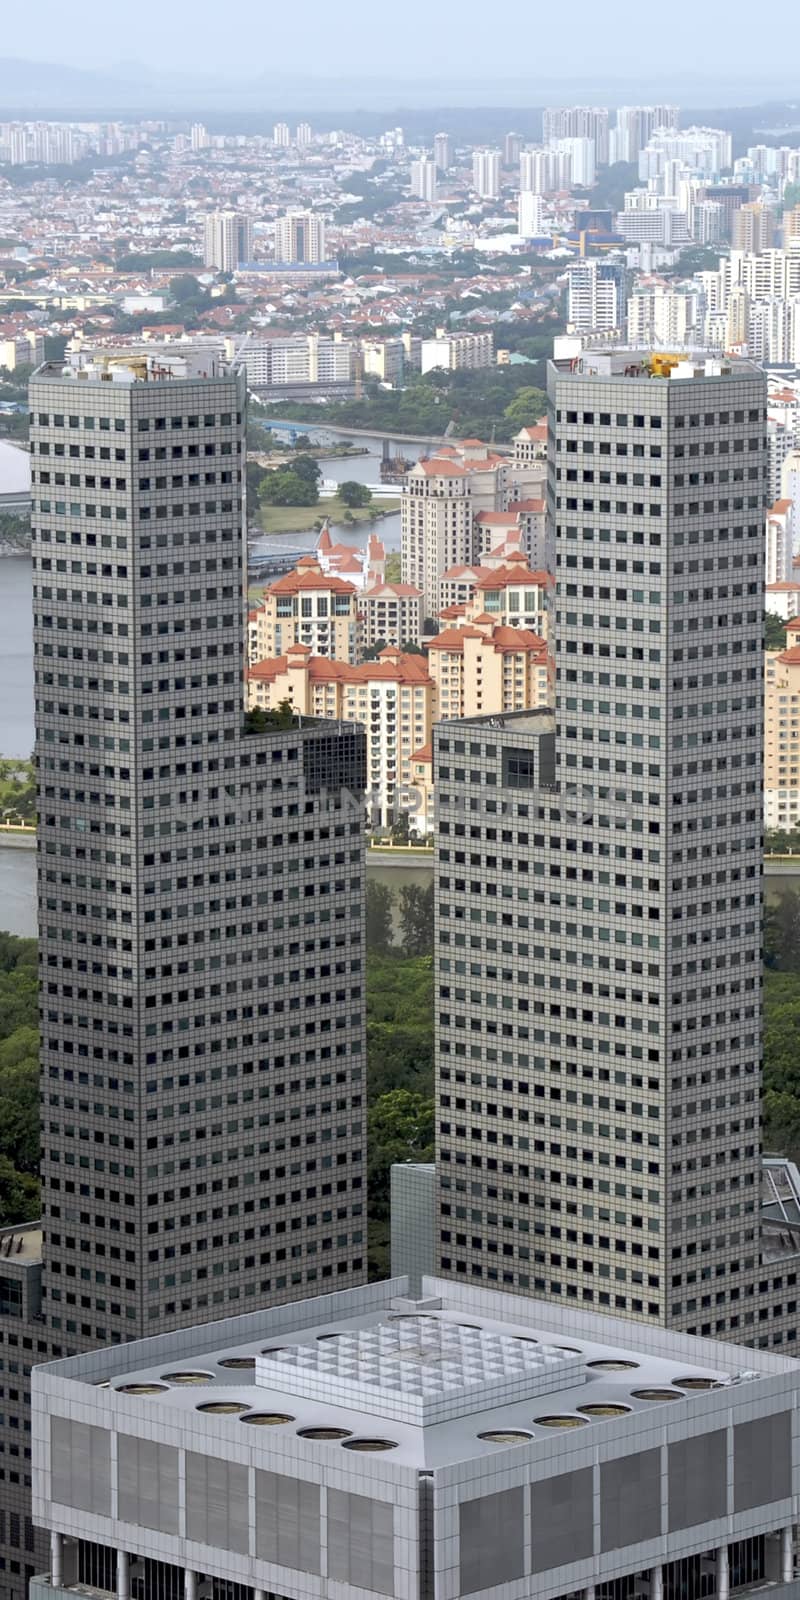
18	886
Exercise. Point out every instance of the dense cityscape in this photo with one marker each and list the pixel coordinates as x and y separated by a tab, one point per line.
400	773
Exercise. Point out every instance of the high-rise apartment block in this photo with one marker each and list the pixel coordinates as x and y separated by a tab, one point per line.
486	173
512	145
227	240
300	237
281	136
530	215
423	179
782	737
595	295
303	135
599	882
443	152
634	128
753	227
200	904
455	350
577	122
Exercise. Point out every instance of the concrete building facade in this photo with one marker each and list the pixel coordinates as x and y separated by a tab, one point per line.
467	1442
600	1023
201	968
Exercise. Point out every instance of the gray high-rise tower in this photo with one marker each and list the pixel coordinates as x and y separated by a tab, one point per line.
201	888
599	882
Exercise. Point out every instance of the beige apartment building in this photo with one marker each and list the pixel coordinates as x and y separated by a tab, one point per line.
782	737
393	698
514	595
484	667
391	613
309	607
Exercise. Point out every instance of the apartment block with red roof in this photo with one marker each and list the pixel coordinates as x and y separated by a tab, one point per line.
485	667
391	613
393	698
306	607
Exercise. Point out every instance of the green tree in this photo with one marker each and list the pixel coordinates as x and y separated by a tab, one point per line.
774	632
354	494
307	468
782	932
416	919
399	1023
379	909
527	407
791	196
400	1127
19	1195
393	567
285	488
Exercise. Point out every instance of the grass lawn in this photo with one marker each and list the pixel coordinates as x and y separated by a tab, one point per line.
299	519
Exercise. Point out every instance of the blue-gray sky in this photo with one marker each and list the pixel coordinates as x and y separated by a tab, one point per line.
625	39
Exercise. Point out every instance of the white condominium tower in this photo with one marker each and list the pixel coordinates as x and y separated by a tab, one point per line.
577	122
599	877
486	173
423	179
634	127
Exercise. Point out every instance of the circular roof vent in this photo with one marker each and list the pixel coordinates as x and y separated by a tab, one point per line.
267	1419
224	1408
140	1388
565	1420
599	1410
324	1433
612	1364
188	1377
505	1436
239	1363
655	1396
697	1385
366	1445
274	1349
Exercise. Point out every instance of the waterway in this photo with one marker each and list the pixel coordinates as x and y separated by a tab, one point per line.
18	887
16	657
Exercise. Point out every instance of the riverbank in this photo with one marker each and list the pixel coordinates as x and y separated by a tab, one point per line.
323	426
303	519
17	838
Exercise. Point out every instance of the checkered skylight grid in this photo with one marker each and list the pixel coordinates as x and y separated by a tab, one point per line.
420	1369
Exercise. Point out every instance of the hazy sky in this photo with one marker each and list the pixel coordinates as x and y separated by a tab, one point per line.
326	38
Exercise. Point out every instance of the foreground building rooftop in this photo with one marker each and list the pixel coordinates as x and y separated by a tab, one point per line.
458	1443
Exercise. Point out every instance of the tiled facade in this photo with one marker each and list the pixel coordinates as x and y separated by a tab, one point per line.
598	917
200	895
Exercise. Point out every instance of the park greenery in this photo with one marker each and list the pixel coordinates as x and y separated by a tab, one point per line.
400	1106
294	485
774	632
15	532
17	790
400	1102
19	1081
481	403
